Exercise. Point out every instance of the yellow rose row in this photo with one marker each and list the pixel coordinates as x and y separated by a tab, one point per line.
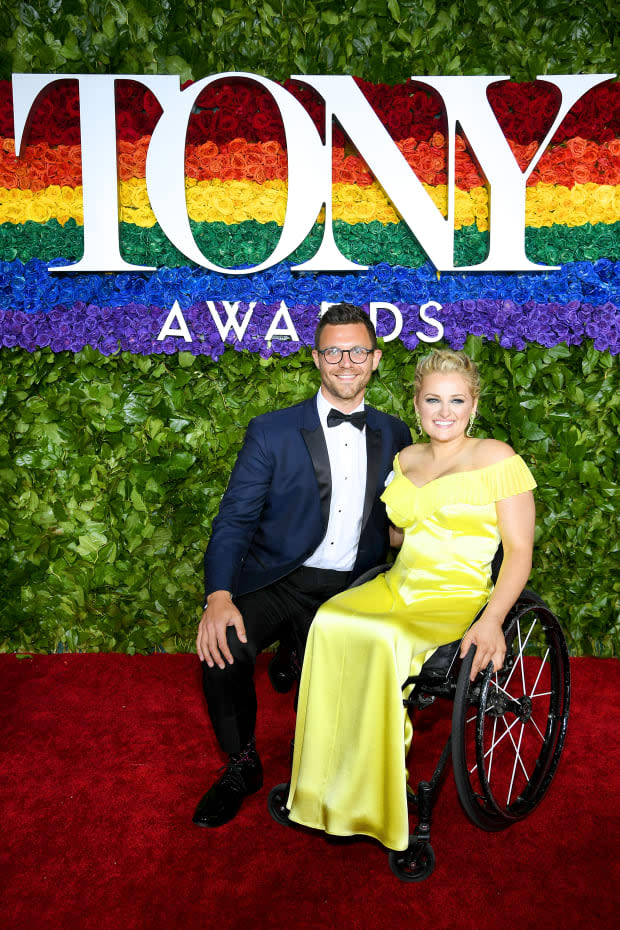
236	201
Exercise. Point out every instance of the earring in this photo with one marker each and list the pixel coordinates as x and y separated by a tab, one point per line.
472	420
418	422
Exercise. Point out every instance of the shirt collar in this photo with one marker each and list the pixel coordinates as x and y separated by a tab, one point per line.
324	406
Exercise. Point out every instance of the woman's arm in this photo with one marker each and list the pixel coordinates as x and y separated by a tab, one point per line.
396	537
516	518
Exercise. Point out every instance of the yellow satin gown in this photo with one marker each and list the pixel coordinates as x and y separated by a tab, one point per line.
352	732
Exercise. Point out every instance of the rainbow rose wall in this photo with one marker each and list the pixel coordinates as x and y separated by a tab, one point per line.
236	193
121	421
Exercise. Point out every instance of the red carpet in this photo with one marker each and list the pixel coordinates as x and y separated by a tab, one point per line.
104	757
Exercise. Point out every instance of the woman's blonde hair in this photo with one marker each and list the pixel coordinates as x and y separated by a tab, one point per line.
445	361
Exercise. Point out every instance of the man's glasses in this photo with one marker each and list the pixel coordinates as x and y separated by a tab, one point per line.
333	355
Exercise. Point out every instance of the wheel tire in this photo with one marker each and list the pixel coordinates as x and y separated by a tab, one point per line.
276	802
413	864
508	729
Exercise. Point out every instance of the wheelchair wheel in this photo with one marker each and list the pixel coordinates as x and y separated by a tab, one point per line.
415	863
508	728
276	802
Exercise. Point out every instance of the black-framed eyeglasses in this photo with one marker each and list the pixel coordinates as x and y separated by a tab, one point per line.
333	355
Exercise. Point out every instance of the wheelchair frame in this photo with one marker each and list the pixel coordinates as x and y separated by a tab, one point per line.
510	724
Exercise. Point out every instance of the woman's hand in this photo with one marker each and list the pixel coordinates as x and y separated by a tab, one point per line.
488	636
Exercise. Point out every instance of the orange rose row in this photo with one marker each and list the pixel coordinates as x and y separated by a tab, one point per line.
578	161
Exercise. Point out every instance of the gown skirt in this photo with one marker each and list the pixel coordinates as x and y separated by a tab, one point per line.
353	734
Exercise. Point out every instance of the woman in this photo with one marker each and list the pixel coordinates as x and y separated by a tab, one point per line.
452	499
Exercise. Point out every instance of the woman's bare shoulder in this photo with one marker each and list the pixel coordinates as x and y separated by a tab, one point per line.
411	454
490	451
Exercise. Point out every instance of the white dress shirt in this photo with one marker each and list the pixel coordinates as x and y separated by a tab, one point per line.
346	447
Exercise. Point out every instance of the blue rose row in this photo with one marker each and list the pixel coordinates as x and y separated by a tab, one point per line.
30	287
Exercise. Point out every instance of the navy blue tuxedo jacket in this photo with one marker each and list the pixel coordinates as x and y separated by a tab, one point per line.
275	509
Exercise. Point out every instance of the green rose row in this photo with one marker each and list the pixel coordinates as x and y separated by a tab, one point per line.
251	242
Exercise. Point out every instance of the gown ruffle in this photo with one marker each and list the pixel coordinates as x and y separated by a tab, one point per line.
352	734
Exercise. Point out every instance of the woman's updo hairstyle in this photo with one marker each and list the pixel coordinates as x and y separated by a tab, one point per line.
445	361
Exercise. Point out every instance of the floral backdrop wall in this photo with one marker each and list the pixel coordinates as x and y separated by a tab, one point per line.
116	445
236	189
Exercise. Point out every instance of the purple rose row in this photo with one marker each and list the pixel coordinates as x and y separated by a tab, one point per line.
135	327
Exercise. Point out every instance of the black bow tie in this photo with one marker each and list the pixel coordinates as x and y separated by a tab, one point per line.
336	417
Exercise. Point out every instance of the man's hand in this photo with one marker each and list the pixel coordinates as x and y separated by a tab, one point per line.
219	614
488	636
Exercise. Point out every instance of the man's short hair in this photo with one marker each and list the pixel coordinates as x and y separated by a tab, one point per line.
345	313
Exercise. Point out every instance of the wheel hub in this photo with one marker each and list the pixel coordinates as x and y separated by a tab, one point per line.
497	705
525	704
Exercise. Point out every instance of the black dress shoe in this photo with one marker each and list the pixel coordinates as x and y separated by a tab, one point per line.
243	776
284	669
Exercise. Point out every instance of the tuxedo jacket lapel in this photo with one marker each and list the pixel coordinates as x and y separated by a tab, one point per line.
373	467
313	436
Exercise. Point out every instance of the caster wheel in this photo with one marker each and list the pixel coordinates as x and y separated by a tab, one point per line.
413	864
276	803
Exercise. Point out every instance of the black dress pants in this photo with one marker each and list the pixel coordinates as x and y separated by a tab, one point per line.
286	607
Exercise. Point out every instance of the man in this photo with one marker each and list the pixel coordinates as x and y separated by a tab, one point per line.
300	520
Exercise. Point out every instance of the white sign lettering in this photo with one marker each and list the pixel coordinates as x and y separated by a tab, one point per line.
287	330
309	166
283	316
231	318
431	304
398	318
175	316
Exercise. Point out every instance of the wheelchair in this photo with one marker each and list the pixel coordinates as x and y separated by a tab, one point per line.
508	728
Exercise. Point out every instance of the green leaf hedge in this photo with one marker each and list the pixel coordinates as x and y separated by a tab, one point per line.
379	40
111	468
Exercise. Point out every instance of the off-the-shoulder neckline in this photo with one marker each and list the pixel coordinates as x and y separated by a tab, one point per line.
451	474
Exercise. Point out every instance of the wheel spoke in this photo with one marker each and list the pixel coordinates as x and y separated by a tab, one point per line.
517	759
517	750
520	659
497	742
499	688
537	728
521	648
493	741
542	665
512	697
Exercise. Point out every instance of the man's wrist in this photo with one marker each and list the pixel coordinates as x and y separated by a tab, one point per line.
217	595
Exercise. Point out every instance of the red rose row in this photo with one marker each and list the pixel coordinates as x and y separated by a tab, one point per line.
244	110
